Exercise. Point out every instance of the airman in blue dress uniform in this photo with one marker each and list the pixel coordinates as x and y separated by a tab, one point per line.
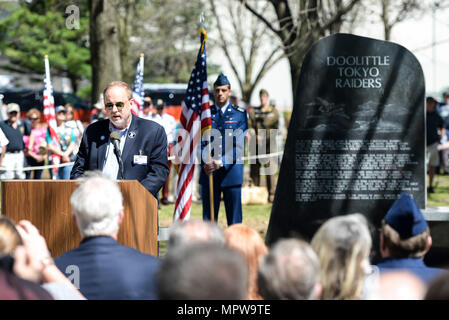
227	167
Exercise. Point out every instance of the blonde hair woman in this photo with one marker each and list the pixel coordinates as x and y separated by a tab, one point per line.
343	245
9	236
251	246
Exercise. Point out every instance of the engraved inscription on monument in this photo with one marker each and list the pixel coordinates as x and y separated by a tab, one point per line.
337	169
356	138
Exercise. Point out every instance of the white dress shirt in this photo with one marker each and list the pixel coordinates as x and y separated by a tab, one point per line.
111	165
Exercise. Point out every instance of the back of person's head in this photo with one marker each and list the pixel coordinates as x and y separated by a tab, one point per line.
405	232
250	244
343	245
97	204
400	285
9	236
438	289
290	271
194	230
202	271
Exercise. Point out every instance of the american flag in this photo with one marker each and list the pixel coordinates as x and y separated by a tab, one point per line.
138	88
49	115
195	119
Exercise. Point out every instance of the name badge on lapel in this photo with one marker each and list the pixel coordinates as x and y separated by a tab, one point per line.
140	158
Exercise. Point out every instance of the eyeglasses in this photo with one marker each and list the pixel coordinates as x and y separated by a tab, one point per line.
119	105
34	119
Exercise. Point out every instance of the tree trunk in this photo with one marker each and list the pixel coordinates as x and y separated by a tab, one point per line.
104	45
386	18
74	82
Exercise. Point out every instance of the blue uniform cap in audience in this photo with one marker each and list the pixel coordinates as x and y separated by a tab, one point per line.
221	81
405	217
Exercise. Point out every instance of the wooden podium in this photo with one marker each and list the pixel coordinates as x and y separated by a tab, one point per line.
46	203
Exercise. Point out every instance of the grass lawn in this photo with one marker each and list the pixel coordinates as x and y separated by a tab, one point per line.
441	196
258	216
255	216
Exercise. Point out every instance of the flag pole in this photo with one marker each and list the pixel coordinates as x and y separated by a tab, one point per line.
211	176
142	55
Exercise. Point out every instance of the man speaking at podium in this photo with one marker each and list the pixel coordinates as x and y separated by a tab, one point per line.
124	146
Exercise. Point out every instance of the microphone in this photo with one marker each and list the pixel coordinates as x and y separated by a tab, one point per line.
115	139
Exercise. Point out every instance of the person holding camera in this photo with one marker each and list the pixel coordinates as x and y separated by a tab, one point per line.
261	120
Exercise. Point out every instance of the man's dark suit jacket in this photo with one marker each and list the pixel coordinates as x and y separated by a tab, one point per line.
110	271
144	137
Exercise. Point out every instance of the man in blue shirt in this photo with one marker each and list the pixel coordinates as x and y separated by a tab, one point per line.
405	239
229	125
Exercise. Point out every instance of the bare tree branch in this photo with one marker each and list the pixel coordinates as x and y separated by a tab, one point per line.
223	43
261	17
339	14
250	36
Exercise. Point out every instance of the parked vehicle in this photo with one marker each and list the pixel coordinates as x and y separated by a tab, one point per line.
31	98
172	93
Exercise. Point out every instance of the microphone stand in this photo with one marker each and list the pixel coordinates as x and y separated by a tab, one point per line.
120	163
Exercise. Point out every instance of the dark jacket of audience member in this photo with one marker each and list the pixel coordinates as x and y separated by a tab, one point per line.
438	288
15	288
11	286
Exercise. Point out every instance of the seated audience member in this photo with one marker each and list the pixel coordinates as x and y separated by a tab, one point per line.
405	239
343	246
250	244
107	269
26	262
400	285
202	271
438	288
290	271
195	230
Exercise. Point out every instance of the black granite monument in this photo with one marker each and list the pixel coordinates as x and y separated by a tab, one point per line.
356	138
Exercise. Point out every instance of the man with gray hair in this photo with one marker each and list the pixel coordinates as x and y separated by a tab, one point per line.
107	270
192	231
290	271
202	271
